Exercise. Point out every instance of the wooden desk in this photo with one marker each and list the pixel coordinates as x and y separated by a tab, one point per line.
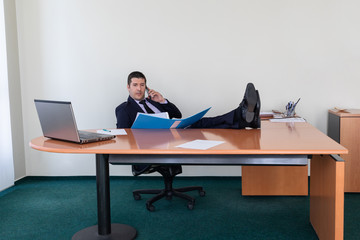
273	144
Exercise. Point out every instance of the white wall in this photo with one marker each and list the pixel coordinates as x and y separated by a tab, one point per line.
198	53
17	129
6	154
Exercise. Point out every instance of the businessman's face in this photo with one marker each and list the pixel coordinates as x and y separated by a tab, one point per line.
137	88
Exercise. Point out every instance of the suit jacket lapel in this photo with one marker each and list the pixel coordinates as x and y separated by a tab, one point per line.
133	108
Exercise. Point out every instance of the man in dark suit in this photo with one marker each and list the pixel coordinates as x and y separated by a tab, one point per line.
246	115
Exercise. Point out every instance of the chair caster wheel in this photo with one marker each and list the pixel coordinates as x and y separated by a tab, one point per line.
150	207
202	193
190	205
168	196
137	196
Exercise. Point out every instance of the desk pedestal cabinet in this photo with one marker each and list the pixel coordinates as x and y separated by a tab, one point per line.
274	180
344	128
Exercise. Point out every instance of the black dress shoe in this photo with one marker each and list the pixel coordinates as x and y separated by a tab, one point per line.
245	113
256	123
248	112
250	100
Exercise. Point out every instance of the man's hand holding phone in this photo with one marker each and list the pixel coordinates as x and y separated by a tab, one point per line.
155	96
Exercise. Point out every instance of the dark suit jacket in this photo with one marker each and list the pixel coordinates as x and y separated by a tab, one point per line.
126	114
127	111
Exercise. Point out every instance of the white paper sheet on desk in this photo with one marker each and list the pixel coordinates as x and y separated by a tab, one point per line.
287	120
113	132
200	144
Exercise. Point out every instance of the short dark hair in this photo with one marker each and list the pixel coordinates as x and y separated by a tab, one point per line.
136	74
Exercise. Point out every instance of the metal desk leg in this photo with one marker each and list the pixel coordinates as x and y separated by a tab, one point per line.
104	230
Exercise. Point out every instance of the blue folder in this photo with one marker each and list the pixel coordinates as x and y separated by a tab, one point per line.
147	121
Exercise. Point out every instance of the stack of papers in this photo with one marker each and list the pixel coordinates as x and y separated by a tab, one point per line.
297	119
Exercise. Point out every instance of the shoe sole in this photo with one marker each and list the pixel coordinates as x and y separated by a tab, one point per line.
251	99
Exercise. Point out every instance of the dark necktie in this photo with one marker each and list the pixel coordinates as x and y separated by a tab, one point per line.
148	110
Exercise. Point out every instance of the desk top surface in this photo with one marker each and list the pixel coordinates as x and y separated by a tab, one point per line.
272	138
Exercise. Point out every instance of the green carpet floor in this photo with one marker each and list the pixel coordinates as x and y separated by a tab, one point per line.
52	208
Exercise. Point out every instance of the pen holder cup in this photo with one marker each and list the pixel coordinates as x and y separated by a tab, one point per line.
289	113
290	108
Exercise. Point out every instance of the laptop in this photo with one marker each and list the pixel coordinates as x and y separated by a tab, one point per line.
57	121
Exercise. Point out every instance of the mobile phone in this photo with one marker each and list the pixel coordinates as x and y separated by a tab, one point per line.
147	91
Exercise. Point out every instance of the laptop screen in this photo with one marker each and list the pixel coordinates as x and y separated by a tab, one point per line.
57	120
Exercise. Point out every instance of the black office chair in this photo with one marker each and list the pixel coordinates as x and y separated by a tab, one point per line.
168	172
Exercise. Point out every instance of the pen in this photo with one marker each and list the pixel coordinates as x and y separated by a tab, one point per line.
295	104
105	130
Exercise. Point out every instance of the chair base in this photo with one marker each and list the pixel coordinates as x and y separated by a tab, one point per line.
168	192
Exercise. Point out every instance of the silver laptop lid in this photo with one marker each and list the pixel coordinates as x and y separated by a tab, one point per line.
57	120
